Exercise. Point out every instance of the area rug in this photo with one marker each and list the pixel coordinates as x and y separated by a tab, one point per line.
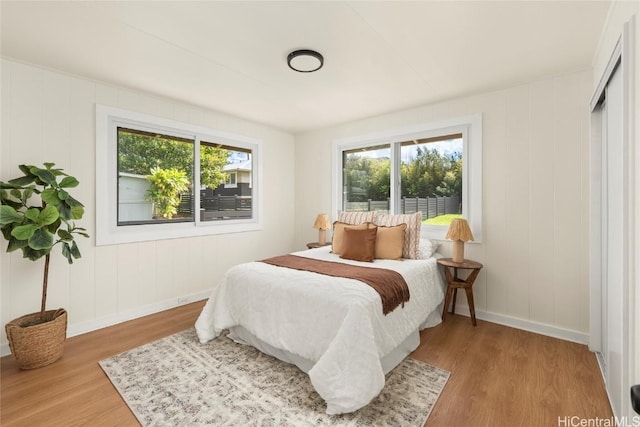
176	381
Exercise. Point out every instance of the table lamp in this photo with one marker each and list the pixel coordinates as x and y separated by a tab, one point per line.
322	224
459	232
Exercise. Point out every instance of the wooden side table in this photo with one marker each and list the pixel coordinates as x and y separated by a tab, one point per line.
454	283
313	245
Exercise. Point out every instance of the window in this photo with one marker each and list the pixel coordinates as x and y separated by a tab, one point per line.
231	180
434	168
367	180
155	177
159	179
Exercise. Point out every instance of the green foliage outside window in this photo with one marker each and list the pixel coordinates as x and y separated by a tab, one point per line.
432	174
140	153
429	174
166	186
367	178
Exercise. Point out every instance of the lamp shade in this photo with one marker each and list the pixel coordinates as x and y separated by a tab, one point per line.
459	230
322	222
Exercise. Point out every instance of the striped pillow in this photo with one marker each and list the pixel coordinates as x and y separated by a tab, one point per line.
411	247
356	217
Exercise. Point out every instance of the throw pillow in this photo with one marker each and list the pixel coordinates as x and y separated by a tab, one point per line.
390	242
356	217
359	245
411	234
338	235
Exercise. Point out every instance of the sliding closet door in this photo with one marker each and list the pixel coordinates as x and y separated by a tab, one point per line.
613	244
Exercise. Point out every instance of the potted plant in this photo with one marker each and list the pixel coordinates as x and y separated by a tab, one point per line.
37	339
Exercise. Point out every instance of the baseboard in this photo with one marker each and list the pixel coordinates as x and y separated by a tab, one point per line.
501	319
103	322
528	325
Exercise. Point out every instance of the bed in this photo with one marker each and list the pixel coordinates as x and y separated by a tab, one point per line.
331	328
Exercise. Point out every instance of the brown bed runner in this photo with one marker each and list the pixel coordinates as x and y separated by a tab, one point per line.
389	284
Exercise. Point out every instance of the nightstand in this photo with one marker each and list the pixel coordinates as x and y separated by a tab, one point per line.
314	245
454	282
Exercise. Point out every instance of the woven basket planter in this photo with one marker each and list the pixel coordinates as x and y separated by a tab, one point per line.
37	345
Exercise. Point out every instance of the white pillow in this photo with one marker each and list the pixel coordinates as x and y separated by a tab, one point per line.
427	248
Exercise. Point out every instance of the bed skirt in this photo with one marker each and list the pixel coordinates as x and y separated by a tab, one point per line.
388	362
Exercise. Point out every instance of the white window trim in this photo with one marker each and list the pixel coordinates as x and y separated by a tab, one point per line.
107	230
471	128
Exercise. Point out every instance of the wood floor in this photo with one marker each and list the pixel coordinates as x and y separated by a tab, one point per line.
499	376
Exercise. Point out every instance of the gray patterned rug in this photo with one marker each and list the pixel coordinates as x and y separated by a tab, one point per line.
176	381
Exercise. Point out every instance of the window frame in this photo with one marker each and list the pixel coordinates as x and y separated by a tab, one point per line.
471	129
107	229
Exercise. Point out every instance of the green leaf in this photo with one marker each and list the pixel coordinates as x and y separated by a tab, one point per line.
77	212
73	202
26	169
32	214
22	181
24	232
66	252
34	254
6	231
64	210
65	235
70	251
15	205
15	244
69	182
75	251
63	195
50	196
8	215
78	230
44	175
55	171
27	193
53	227
49	215
16	193
41	239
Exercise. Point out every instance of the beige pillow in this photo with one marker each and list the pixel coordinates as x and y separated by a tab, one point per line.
338	235
390	242
359	245
356	217
412	233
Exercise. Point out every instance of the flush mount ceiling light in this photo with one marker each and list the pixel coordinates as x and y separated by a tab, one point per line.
305	60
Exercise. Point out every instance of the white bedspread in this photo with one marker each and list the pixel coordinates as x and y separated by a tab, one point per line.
338	323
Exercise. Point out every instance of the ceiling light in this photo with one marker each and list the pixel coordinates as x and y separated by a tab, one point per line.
305	61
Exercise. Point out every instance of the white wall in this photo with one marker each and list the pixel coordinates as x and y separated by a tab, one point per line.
48	116
535	206
620	13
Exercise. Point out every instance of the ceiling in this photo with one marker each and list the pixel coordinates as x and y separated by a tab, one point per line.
379	56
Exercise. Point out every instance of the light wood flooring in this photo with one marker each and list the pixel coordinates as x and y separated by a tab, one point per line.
499	376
